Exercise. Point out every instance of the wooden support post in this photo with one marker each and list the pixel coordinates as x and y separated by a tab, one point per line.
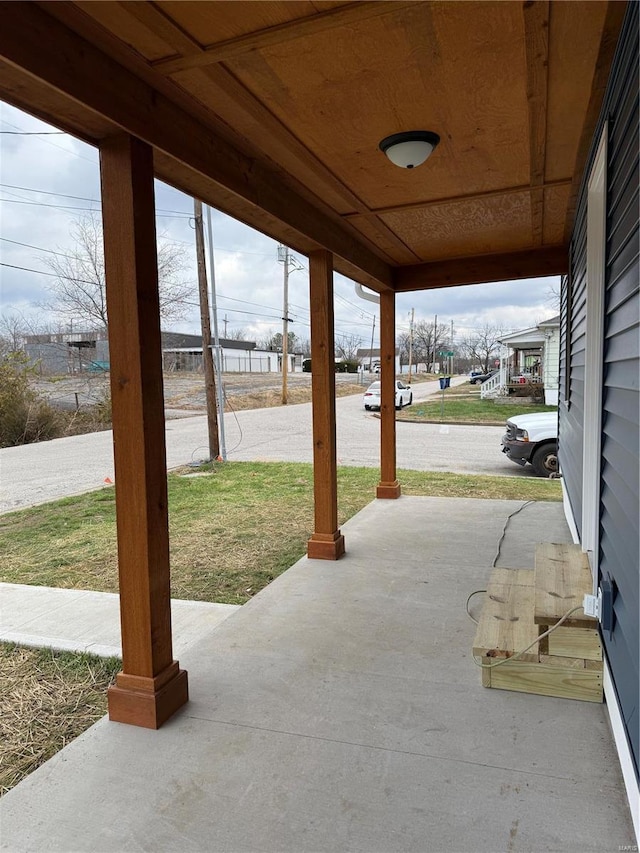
326	543
151	686
389	487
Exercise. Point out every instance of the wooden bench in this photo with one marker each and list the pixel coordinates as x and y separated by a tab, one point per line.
569	665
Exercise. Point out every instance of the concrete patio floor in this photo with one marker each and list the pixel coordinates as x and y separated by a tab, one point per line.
340	710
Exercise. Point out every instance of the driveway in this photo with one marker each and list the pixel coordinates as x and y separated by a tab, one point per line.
37	473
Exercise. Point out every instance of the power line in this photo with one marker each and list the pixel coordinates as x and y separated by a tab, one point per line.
81	198
33	132
53	144
168	214
52	274
40	249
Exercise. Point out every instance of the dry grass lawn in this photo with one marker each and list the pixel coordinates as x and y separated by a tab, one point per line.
46	700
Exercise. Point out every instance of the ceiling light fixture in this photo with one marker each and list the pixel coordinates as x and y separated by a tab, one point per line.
409	149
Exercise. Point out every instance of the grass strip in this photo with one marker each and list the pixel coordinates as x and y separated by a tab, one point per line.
233	527
467	410
46	700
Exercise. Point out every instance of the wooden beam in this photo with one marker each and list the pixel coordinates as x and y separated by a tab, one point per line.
47	50
388	487
616	11
326	542
151	686
536	37
161	25
530	263
223	51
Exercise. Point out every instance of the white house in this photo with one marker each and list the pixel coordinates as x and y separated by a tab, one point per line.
531	358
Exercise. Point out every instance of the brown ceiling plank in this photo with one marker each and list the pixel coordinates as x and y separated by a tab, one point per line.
441	202
287	145
220	80
332	18
536	35
49	52
610	32
530	263
155	20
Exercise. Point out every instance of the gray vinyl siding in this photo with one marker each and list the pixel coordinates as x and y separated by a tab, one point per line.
618	557
620	473
571	421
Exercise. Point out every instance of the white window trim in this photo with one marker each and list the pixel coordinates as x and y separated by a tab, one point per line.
596	248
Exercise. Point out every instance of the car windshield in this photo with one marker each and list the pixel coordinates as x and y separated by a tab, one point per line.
375	386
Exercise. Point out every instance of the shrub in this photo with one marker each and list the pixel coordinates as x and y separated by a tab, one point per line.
91	419
24	417
347	366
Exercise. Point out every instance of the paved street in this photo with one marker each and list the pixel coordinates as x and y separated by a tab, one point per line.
38	473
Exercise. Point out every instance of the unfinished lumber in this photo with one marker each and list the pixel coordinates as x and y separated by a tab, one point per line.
506	623
569	665
575	643
562	578
544	679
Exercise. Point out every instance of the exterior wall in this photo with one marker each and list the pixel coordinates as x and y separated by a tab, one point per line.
617	479
233	361
49	359
550	361
619	485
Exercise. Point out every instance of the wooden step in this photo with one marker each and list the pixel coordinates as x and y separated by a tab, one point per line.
507	625
562	578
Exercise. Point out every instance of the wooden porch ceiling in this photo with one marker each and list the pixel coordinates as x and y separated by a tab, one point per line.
272	112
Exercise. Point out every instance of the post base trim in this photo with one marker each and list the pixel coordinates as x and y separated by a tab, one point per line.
388	490
326	546
147	706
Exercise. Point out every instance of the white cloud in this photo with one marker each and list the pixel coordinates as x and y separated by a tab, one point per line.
248	275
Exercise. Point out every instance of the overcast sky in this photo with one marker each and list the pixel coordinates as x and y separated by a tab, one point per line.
48	180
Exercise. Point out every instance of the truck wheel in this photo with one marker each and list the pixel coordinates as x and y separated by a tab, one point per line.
545	460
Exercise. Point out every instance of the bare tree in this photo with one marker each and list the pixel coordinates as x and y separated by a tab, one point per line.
553	296
402	342
346	346
427	339
482	347
79	289
12	333
305	347
237	335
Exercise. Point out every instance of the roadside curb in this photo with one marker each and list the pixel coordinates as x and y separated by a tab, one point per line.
443	423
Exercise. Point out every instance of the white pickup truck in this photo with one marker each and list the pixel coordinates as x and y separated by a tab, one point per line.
534	439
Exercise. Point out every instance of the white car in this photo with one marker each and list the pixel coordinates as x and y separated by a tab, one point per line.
404	396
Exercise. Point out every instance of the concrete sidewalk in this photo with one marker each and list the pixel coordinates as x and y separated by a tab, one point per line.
340	710
77	620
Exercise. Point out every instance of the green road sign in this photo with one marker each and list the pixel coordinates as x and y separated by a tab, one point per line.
445	352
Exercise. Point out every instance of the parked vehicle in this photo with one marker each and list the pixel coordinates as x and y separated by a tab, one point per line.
533	438
404	395
479	378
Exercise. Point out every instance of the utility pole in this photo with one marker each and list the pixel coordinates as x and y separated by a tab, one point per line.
411	342
205	324
225	321
373	331
285	329
216	338
291	264
452	351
